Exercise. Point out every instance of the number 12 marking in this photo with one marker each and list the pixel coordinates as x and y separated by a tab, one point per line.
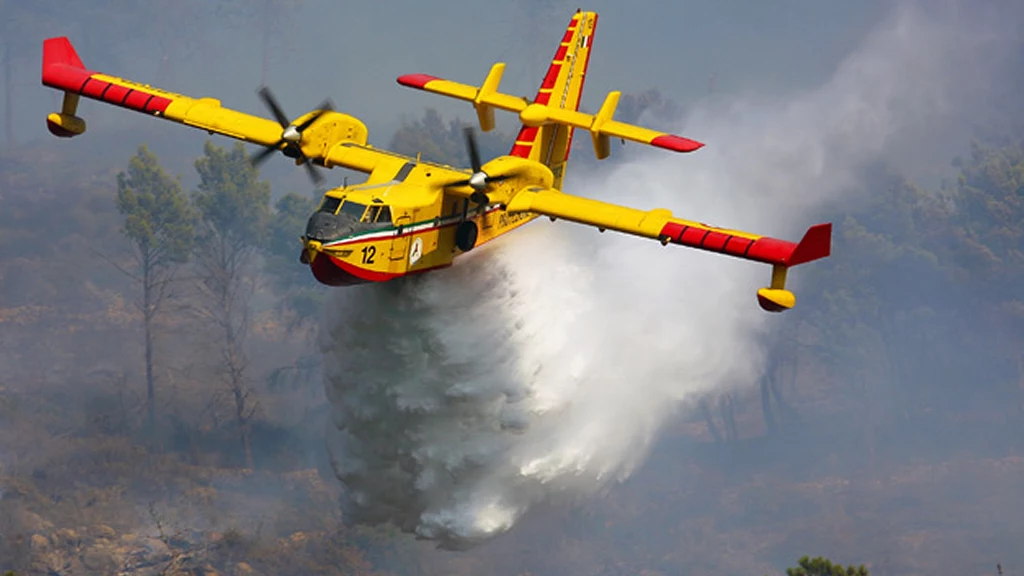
368	253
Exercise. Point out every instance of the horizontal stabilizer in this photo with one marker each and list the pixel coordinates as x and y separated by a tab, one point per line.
601	126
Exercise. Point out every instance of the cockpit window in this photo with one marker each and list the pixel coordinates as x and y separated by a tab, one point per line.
330	204
353	209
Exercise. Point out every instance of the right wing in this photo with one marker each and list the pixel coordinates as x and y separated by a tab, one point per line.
661	225
63	70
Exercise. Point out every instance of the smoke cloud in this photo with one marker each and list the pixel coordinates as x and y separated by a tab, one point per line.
544	365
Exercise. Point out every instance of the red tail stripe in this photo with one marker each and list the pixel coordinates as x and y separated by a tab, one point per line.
551	77
528	134
586	64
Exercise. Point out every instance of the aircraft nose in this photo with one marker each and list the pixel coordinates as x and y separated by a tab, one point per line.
322	226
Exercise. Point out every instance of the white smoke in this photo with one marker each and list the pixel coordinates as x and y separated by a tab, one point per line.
546	362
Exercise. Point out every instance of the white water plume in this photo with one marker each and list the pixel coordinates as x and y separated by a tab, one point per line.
546	362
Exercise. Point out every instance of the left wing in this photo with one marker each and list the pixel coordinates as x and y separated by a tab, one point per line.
63	70
659	224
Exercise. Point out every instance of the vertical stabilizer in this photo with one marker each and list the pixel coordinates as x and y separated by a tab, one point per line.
562	87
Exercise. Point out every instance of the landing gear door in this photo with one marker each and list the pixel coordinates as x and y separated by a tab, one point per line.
400	245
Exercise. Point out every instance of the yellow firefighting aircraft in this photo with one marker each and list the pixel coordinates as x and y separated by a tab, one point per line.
412	216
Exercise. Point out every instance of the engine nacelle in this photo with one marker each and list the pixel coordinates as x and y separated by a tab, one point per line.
65	125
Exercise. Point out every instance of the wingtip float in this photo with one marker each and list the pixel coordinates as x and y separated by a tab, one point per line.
411	216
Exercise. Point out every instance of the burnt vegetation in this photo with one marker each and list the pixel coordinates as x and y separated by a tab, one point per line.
162	409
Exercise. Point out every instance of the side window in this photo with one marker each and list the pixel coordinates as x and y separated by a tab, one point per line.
371	214
384	216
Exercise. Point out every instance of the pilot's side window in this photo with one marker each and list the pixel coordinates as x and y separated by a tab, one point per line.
384	216
371	214
330	204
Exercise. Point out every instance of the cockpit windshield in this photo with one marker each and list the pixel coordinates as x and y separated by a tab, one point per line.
353	209
378	213
330	204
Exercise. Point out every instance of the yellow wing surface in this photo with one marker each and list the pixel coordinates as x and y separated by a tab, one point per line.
63	70
661	225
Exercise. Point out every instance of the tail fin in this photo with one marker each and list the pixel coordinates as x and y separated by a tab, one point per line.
549	120
562	87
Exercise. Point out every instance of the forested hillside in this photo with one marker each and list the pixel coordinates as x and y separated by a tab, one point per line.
161	408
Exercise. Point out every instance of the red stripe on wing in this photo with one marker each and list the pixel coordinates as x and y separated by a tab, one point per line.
116	94
94	88
157	104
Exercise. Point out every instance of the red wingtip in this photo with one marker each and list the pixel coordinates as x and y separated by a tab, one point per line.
59	50
676	143
416	80
816	244
62	68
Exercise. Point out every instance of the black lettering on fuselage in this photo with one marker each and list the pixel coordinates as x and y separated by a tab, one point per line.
506	219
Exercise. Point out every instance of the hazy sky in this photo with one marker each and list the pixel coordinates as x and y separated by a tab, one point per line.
353	51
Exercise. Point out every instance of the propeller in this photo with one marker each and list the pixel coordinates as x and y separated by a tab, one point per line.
480	180
291	136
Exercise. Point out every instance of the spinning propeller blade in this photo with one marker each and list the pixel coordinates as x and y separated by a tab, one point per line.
480	180
275	108
290	143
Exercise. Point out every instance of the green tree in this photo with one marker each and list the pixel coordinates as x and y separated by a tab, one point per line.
444	142
990	195
883	314
807	566
159	222
235	208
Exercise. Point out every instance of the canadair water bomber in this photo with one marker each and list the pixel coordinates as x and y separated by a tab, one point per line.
412	216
